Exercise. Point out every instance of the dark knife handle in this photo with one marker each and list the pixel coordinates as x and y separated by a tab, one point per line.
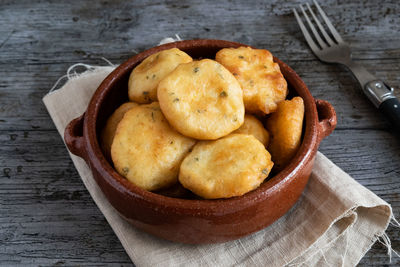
391	109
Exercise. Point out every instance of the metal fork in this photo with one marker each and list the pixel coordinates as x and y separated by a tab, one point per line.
332	49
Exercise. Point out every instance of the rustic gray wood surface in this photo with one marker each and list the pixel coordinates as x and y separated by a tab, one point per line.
46	215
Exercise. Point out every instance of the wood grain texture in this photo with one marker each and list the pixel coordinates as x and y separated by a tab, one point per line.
46	215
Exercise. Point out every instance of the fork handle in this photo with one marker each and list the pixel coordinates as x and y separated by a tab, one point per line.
380	94
376	90
391	109
383	98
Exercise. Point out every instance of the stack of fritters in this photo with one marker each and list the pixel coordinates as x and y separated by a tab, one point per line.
199	123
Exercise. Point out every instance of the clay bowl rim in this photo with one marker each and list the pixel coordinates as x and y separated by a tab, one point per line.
203	206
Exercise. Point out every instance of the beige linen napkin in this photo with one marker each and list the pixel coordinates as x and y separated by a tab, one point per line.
334	223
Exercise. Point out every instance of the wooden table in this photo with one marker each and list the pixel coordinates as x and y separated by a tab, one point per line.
48	218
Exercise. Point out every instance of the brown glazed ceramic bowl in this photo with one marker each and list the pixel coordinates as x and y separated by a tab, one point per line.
197	221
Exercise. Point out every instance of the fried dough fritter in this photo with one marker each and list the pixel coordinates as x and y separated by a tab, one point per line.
147	150
227	167
202	99
285	127
144	79
254	127
108	132
259	76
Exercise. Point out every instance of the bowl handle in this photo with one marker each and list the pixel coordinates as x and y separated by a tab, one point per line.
73	137
326	117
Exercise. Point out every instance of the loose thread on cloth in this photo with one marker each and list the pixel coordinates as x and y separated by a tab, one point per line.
170	39
394	222
385	240
72	72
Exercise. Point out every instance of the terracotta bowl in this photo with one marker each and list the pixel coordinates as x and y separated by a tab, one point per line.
197	221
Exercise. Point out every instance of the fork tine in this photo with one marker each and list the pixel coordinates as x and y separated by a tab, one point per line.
335	34
309	40
321	28
314	31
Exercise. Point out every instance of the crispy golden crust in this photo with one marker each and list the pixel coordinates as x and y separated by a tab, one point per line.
202	99
285	127
146	150
228	167
108	132
260	78
254	127
143	81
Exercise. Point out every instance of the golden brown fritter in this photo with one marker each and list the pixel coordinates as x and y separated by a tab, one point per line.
285	127
259	76
108	132
227	167
202	99
254	127
144	79
147	150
